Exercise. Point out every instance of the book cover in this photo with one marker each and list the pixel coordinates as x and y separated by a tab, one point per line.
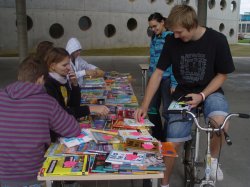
104	137
139	134
134	123
143	146
168	149
99	163
122	157
73	141
175	105
68	165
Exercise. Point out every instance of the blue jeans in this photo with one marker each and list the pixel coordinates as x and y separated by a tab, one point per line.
162	95
179	130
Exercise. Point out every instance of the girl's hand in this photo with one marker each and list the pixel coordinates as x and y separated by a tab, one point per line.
73	78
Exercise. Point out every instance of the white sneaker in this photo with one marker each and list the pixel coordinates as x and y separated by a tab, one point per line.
215	167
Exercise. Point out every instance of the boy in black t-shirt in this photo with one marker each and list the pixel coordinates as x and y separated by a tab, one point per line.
201	59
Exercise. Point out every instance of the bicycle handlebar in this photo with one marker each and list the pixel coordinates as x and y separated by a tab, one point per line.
185	112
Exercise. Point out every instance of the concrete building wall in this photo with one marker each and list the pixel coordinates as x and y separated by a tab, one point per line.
67	13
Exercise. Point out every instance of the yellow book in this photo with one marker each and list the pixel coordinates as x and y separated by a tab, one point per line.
65	165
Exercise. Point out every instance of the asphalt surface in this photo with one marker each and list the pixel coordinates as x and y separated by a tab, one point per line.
235	159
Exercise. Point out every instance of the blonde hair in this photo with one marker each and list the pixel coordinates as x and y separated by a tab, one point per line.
183	15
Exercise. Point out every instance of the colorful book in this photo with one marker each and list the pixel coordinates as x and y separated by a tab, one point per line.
134	123
68	165
125	157
139	134
142	146
105	137
73	141
168	149
99	163
175	105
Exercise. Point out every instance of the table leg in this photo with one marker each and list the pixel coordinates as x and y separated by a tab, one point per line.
48	183
145	79
142	82
154	182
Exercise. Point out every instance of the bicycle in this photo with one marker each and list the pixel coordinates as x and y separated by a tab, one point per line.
191	148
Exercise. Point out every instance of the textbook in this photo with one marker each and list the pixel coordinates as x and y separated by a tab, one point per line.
99	163
168	149
175	105
68	165
134	123
104	137
142	146
139	134
73	141
126	157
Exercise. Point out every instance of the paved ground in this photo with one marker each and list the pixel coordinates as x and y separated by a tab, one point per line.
235	159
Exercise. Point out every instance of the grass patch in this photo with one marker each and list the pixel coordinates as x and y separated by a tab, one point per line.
133	51
239	50
244	41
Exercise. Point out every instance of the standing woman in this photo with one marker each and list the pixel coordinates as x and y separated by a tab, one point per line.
157	23
62	84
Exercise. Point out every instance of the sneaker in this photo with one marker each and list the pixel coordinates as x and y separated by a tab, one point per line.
216	172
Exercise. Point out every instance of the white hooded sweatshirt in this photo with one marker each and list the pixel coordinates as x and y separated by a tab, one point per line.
80	65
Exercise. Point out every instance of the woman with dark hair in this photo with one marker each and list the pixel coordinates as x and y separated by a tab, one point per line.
157	24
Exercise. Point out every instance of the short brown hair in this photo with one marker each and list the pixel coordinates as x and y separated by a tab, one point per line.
55	55
42	48
31	69
183	15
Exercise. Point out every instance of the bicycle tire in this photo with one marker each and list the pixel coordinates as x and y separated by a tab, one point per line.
188	163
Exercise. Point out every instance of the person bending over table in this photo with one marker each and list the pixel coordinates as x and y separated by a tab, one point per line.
27	113
62	84
80	66
201	60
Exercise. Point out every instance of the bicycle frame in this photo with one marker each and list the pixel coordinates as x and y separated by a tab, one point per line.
207	181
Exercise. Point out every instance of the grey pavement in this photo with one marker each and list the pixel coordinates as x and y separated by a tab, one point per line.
235	159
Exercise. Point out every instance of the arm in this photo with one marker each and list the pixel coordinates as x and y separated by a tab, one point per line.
173	82
63	123
152	87
84	68
214	85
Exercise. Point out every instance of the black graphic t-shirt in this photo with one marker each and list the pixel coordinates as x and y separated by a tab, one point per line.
196	63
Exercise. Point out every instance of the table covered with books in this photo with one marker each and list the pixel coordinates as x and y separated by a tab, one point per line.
115	147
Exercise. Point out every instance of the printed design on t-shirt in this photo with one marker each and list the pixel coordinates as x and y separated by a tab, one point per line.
192	67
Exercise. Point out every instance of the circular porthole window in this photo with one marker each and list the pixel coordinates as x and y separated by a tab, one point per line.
221	27
131	24
109	30
211	4
223	4
56	30
233	6
169	2
84	23
231	32
29	23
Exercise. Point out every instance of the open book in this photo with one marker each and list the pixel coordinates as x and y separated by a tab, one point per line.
179	105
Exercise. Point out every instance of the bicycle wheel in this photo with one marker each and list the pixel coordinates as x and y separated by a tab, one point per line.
188	163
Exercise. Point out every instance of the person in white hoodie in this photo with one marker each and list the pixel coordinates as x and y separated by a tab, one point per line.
80	66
